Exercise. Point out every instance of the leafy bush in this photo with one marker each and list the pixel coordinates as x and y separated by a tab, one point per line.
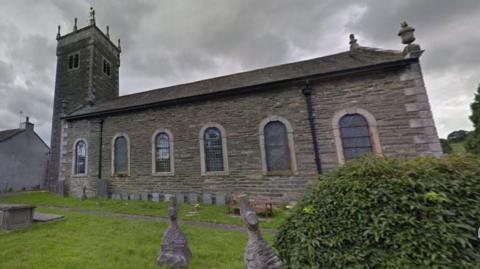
388	213
446	147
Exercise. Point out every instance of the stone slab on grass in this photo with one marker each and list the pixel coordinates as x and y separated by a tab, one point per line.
44	217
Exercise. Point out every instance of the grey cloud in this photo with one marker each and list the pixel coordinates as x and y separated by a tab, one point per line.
171	42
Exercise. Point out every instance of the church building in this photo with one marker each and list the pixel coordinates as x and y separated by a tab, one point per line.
269	132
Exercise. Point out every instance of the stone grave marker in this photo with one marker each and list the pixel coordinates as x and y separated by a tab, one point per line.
192	198
168	197
155	197
258	254
144	196
220	198
102	188
207	198
174	251
180	198
16	216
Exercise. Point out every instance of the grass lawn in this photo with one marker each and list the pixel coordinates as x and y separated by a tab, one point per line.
208	213
87	241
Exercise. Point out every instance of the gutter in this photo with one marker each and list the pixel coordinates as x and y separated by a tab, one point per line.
247	89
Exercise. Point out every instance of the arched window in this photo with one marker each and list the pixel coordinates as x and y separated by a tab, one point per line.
162	153
276	147
80	162
213	150
120	155
355	136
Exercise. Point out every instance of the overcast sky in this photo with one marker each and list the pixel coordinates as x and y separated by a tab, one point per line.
170	42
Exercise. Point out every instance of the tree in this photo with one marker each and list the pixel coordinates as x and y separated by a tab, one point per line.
473	140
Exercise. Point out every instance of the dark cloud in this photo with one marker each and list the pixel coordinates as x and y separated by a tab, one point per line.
169	42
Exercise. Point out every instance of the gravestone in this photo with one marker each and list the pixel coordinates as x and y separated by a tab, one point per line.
124	196
220	198
61	188
174	251
102	188
16	216
180	198
258	254
168	197
144	196
116	196
134	197
84	194
192	198
155	197
207	198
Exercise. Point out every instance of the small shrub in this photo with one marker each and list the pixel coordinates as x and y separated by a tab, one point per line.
388	213
446	147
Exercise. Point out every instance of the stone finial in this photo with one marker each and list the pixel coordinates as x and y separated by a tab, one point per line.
353	42
58	33
108	32
406	33
174	250
92	16
258	254
75	25
119	45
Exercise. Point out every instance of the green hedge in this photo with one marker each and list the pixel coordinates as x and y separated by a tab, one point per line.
388	213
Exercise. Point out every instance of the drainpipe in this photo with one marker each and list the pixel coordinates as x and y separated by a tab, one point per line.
307	91
100	150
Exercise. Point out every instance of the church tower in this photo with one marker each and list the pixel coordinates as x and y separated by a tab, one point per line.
87	73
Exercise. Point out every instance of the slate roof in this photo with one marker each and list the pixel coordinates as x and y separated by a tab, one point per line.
4	135
360	57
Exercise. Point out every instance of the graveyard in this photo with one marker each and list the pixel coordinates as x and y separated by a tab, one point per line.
122	234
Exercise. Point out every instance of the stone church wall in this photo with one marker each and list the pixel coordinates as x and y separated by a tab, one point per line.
396	99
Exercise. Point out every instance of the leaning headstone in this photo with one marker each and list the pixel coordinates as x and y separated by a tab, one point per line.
155	197
220	198
180	198
84	194
258	254
192	198
207	198
144	196
167	197
174	251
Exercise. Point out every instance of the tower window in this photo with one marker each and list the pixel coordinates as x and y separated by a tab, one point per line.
107	67
73	61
